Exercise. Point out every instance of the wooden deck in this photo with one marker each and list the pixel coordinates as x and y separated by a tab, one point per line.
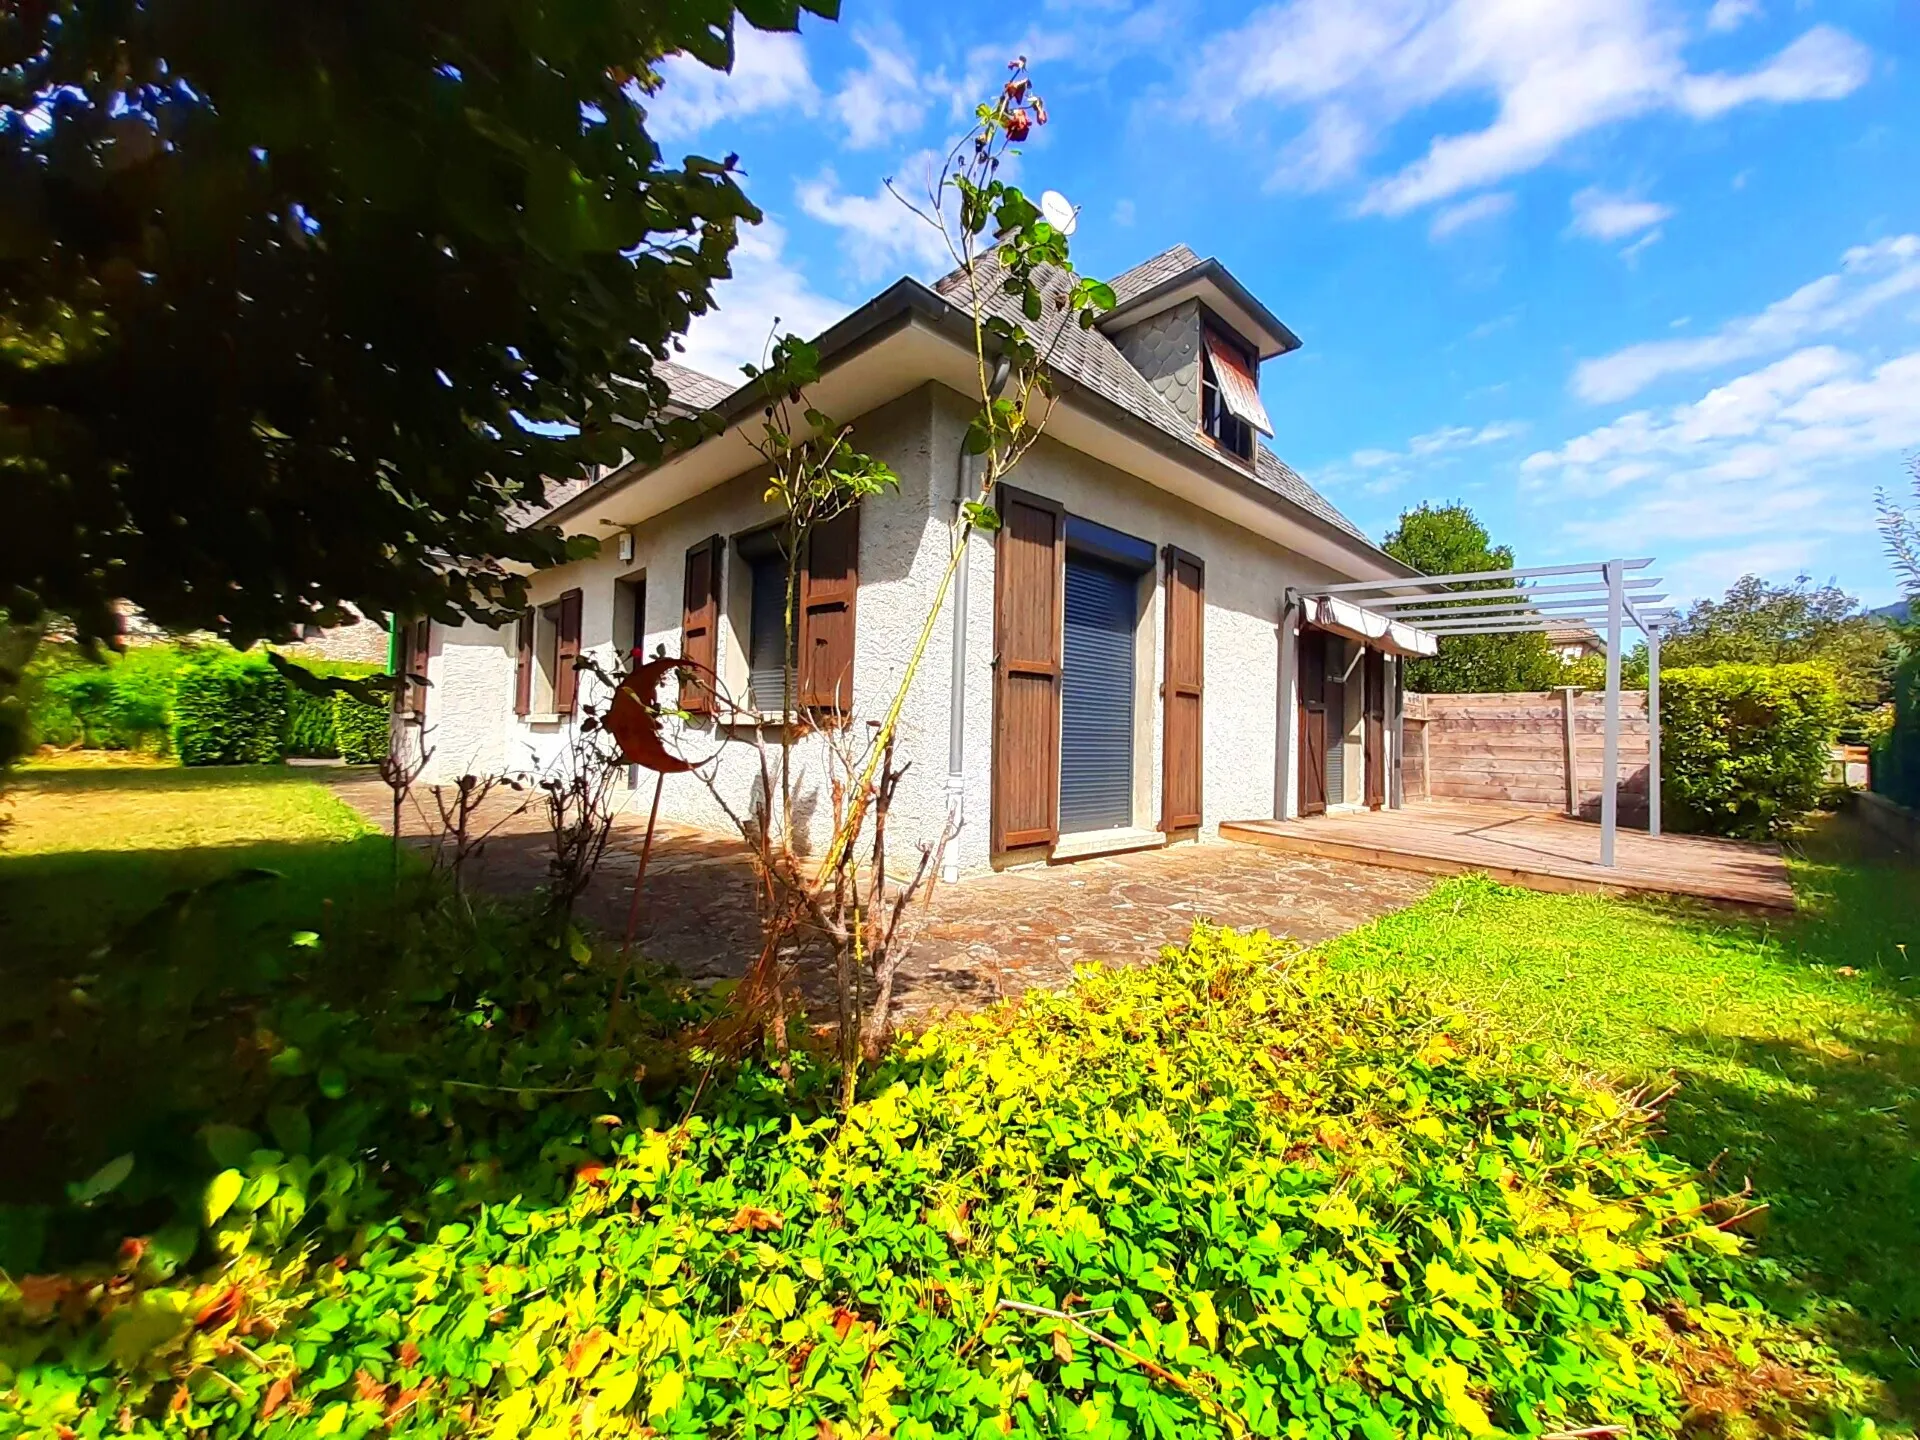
1535	849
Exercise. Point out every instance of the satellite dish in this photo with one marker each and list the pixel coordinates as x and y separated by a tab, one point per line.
1059	212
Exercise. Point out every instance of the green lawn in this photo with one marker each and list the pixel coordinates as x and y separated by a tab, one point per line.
91	1059
1795	1047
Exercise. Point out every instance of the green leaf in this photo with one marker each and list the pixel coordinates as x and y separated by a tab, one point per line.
229	1145
292	1130
109	1177
221	1192
665	1394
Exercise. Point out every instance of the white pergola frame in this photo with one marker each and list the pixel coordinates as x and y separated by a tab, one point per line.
1605	596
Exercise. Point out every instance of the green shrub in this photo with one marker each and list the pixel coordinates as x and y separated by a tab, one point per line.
361	729
310	729
229	709
117	702
336	724
1896	755
1229	1193
1745	748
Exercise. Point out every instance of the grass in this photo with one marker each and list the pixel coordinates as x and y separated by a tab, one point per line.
88	1059
1795	1047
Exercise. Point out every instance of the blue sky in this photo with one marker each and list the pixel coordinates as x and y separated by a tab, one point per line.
1625	276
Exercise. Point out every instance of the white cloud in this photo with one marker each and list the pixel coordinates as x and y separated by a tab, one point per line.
766	286
1469	212
769	73
1604	216
1823	64
882	234
1731	14
1383	470
1123	212
1769	460
1869	277
887	99
1348	72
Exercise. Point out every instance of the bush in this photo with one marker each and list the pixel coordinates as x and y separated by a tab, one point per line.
117	702
1745	748
229	709
1228	1185
360	729
1896	755
337	724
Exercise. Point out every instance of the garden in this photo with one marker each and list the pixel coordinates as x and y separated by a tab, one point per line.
318	1147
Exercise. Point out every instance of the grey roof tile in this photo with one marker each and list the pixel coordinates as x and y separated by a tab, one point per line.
693	388
1091	358
1149	273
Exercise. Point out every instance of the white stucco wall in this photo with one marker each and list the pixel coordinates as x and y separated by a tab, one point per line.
903	546
904	540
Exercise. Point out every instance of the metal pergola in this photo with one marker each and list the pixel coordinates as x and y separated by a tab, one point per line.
1604	592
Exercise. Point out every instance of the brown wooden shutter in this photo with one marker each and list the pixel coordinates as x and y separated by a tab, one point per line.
829	584
566	650
523	665
1311	682
1028	596
415	638
1181	702
700	623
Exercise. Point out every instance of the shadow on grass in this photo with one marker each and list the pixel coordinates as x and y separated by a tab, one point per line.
99	1051
54	778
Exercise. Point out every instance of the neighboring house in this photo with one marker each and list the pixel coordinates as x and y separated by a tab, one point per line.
1116	674
1576	642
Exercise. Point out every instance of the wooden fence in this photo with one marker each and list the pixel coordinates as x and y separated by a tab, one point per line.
1540	750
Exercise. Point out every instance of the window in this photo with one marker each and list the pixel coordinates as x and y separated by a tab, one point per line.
547	643
629	618
1216	419
766	598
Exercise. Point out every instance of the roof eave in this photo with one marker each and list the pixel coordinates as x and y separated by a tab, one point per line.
1277	338
908	299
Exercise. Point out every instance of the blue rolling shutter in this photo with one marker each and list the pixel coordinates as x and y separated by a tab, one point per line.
1096	720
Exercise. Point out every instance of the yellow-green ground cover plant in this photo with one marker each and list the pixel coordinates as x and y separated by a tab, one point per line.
1231	1193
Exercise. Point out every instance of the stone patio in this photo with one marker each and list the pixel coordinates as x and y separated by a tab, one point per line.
986	937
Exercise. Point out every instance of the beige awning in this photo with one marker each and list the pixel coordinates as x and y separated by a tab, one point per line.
1343	617
1238	388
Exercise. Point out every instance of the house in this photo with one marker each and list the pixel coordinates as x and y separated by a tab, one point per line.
1576	642
1121	664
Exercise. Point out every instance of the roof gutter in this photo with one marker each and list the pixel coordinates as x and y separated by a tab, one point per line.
908	300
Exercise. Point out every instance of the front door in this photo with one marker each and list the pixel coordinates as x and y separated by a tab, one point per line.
1376	730
1312	687
1097	692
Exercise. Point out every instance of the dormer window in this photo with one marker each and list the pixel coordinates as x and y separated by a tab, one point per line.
1230	408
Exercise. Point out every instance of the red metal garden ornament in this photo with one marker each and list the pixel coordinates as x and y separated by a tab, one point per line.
633	718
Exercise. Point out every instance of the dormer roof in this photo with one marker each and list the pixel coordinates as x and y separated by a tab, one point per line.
1175	276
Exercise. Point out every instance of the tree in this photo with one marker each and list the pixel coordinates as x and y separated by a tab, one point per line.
283	288
1901	529
1449	540
1762	624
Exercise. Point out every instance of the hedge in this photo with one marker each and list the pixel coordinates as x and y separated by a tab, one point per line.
1896	758
206	703
229	709
1745	747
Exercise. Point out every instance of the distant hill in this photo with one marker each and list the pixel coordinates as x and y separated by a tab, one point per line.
1898	610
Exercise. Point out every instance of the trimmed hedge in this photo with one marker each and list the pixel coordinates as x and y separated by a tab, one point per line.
207	703
1896	758
229	709
1745	747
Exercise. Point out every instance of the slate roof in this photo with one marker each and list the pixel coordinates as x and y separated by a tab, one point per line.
1096	362
693	388
1149	273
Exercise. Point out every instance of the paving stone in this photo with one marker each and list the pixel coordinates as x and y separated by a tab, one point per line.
987	937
